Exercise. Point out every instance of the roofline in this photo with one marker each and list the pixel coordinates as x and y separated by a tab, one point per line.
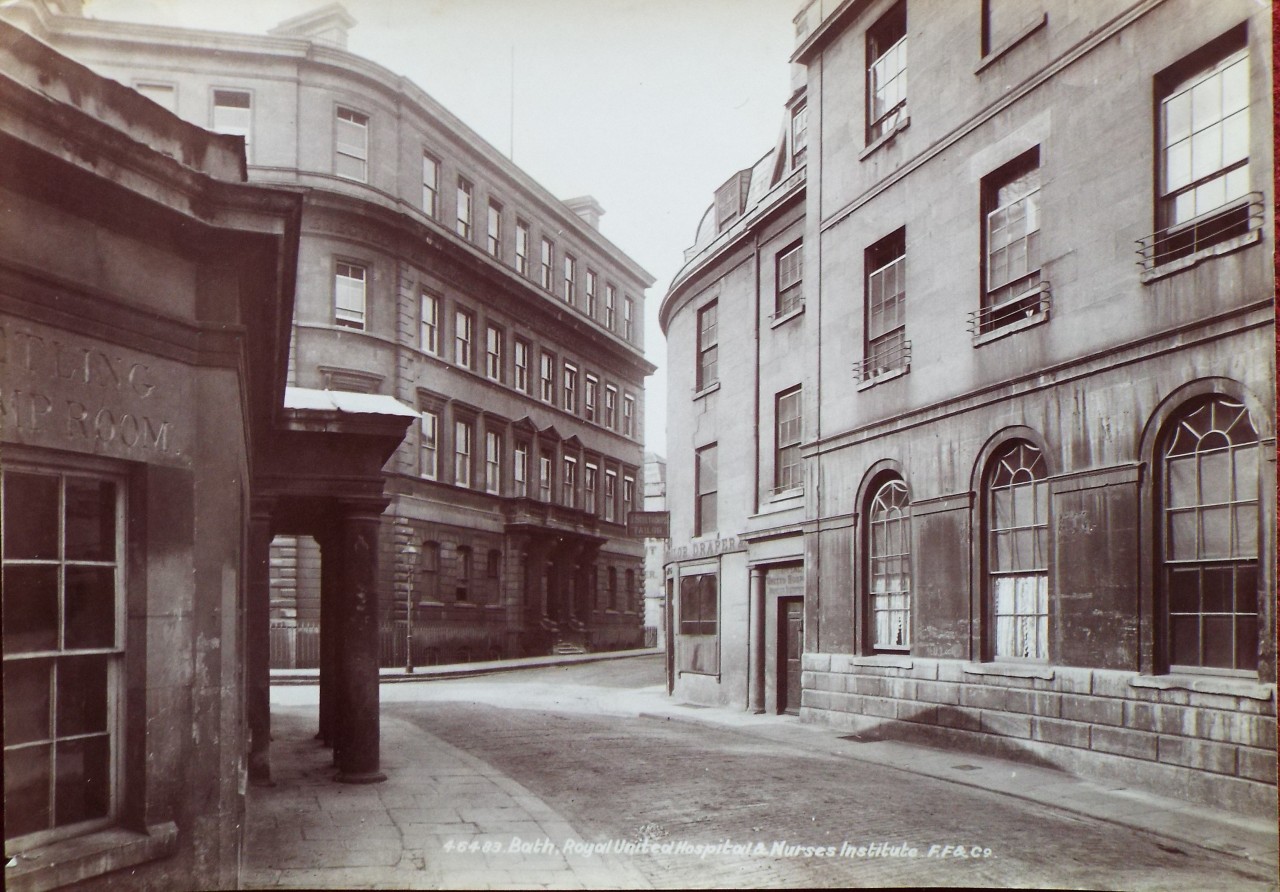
303	51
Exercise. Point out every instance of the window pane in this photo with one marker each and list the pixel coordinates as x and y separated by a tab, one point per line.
1206	103
1177	172
1182	537
1211	195
1184	591
1235	138
1219	642
1215	528
82	695
91	520
1217	590
30	608
26	790
30	517
83	784
26	701
1181	474
1246	543
1206	152
1235	87
90	607
1185	640
1177	112
1247	642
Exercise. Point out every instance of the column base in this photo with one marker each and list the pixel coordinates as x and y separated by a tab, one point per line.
362	777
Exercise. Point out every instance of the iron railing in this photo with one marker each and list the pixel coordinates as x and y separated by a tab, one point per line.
888	359
1026	305
1201	232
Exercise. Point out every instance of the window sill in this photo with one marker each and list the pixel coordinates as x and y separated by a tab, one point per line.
1184	263
1010	670
882	661
1009	44
786	495
710	388
883	377
85	857
884	140
1011	328
1206	684
784	318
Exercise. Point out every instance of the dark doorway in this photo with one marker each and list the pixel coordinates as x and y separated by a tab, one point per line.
790	647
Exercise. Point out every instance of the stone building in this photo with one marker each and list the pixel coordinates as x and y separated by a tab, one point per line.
1034	382
145	297
434	271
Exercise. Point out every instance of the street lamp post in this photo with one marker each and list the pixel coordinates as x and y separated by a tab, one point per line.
410	551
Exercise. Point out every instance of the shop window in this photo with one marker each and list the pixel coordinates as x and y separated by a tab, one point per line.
1210	533
63	650
887	73
1018	552
699	623
889	566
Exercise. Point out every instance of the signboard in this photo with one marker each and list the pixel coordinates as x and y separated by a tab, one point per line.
649	524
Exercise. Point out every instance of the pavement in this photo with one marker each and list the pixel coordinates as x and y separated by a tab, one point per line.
446	819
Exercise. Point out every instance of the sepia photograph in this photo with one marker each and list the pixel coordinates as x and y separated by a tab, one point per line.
638	444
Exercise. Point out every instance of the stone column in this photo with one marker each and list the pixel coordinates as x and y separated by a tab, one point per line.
258	642
357	721
757	632
330	542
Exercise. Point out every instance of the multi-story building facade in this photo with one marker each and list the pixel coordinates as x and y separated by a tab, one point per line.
435	271
1037	375
655	553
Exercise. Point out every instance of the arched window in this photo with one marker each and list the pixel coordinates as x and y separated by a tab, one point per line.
889	566
1209	495
1018	552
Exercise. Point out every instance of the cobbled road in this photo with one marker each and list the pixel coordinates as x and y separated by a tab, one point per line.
678	785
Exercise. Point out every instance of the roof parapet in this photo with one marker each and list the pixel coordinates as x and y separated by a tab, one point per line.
327	24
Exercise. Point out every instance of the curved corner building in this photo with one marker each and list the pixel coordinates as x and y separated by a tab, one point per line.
1031	389
433	270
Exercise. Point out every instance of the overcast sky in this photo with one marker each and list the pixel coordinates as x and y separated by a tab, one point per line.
648	105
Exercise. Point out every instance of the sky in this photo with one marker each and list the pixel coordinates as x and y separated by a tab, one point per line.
647	105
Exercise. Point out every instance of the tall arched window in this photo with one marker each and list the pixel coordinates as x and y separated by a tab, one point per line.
1018	552
889	566
1210	504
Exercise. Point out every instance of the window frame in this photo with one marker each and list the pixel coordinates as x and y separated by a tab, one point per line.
1037	532
547	260
116	654
242	130
547	377
463	448
569	481
788	290
590	399
1242	460
429	322
886	41
522	247
357	319
788	433
611	407
883	600
464	329
706	489
610	305
698	617
521	351
465	217
708	345
520	469
885	345
628	415
493	461
493	228
799	133
590	287
570	269
610	495
430	185
429	444
494	366
357	154
1015	298
569	392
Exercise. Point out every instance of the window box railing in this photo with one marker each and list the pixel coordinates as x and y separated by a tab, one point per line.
1028	305
1201	232
892	358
